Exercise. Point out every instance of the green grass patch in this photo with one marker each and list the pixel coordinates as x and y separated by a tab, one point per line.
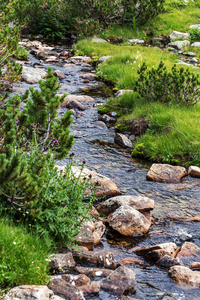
173	131
23	256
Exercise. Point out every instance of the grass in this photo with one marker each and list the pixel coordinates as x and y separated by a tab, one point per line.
173	133
23	256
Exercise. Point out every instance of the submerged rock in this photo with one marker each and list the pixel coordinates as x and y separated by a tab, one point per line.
166	173
184	276
128	221
120	281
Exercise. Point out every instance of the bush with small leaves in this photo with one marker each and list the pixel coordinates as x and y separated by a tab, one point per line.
179	86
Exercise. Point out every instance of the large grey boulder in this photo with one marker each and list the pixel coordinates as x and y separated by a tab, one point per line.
195	44
176	35
139	202
166	173
184	276
120	281
32	75
179	45
129	221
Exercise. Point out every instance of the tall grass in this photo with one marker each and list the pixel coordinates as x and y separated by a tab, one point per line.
23	256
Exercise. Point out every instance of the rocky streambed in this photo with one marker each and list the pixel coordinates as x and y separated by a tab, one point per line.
143	242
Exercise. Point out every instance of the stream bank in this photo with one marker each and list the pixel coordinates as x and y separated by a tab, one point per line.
173	202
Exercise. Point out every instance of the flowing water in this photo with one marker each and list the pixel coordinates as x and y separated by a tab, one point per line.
173	202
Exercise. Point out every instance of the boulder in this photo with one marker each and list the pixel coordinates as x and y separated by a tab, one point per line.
60	261
89	76
28	292
32	75
107	119
128	221
156	252
81	59
195	44
93	272
194	266
122	140
120	281
196	26
77	280
167	261
105	187
184	276
52	59
191	54
79	98
104	259
100	124
166	173
90	289
194	171
122	92
188	251
73	104
59	74
63	288
85	237
176	35
91	233
179	44
140	203
99	231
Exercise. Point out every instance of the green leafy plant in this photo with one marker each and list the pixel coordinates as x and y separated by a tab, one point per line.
178	86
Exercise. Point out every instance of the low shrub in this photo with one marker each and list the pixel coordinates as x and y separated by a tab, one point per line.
178	86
